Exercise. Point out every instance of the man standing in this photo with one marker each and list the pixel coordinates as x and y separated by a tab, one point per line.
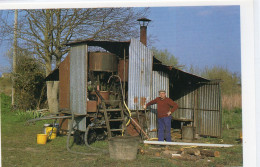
165	107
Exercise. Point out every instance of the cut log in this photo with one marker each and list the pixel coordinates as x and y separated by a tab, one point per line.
157	154
169	153
192	152
210	153
176	155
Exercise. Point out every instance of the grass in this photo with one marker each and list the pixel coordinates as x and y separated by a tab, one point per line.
19	147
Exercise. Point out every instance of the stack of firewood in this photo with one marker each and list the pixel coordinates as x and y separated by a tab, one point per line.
183	153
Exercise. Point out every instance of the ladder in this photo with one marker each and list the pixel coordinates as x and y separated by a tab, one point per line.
108	112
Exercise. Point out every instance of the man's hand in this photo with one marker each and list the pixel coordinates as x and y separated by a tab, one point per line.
169	113
144	107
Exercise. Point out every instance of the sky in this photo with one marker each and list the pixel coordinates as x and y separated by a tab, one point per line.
201	36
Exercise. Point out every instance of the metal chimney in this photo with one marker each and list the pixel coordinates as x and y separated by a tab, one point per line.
143	29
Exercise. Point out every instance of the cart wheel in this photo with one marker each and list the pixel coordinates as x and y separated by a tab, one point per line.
78	137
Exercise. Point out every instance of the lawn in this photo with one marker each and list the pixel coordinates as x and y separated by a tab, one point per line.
19	147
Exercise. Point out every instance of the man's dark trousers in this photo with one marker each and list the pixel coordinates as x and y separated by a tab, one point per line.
164	128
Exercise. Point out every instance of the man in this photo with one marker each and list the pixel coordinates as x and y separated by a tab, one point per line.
165	107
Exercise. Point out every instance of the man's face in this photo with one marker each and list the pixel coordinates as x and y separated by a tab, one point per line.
162	95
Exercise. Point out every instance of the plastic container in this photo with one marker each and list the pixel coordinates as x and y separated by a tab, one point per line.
44	128
41	138
51	132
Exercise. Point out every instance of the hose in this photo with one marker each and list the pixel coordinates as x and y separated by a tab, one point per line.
130	115
86	141
129	112
68	140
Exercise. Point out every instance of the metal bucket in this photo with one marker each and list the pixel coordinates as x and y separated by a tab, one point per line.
123	148
187	133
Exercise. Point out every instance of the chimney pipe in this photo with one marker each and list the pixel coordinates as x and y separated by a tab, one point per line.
143	29
143	35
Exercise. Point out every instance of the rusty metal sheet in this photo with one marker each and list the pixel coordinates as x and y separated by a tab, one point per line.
121	70
64	85
78	95
140	75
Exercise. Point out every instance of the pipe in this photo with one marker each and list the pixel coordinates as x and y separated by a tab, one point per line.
187	144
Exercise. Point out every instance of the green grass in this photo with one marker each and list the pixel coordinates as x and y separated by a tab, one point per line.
19	147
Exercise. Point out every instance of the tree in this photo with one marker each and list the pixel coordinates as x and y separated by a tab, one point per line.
231	81
166	57
47	31
28	80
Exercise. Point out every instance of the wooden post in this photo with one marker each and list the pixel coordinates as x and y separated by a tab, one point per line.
14	53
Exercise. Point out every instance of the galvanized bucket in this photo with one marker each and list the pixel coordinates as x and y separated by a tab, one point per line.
123	148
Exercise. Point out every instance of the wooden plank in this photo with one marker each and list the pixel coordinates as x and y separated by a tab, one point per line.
107	121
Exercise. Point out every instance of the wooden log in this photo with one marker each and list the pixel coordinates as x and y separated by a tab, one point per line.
157	154
210	153
169	153
192	152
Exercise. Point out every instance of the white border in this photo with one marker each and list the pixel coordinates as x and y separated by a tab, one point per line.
247	50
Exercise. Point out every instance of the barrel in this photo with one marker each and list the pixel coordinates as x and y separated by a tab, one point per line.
103	61
123	147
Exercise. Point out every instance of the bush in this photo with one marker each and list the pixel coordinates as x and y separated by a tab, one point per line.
29	83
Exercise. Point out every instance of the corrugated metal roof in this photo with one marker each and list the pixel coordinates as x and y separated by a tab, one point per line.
116	47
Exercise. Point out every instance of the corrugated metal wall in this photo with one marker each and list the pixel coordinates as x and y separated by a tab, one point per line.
209	114
78	84
186	106
140	75
203	107
160	81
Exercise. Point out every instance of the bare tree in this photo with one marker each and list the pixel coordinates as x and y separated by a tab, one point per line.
47	31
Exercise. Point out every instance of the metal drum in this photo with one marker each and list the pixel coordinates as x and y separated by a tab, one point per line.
103	61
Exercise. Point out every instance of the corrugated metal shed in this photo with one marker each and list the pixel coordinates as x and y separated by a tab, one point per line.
140	75
198	98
